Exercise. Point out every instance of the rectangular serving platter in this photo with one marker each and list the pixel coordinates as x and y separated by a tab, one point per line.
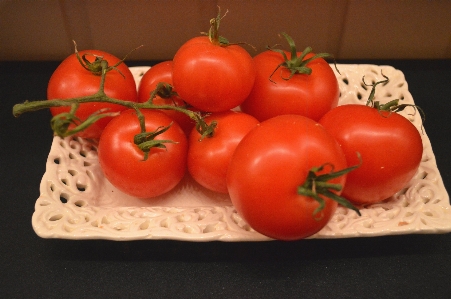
77	202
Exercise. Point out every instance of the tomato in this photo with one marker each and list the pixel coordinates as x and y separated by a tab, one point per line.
308	95
212	77
123	162
269	165
209	157
71	80
390	147
162	73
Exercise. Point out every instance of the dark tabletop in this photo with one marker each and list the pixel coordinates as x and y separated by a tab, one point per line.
406	266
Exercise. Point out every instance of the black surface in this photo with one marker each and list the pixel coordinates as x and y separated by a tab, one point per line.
407	266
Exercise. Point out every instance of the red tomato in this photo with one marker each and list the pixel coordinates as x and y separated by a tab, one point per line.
308	95
123	162
209	158
390	147
162	73
71	80
211	77
269	165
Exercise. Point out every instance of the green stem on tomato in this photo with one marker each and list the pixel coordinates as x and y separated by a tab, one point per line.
146	140
95	67
296	64
213	32
391	106
317	185
163	90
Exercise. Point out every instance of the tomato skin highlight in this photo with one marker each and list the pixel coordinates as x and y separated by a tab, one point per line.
268	166
122	161
209	158
390	147
210	77
162	73
71	79
308	95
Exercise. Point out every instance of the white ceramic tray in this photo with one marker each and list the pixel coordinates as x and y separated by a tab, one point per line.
77	202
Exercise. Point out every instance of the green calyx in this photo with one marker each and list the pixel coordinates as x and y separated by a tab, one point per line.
206	130
146	140
296	64
166	91
391	106
163	90
213	32
317	185
99	64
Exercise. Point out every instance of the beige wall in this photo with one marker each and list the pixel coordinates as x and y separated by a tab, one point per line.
349	29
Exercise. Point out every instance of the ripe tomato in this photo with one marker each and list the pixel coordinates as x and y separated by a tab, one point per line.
162	73
211	77
308	95
123	162
209	157
390	147
269	165
71	80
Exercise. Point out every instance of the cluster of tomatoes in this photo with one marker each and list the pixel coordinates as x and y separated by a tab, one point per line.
287	157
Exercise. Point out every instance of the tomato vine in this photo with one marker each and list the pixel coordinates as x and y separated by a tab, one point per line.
60	123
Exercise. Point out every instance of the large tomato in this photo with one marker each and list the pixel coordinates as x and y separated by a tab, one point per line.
209	157
212	77
162	73
123	163
71	80
275	93
269	165
390	147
